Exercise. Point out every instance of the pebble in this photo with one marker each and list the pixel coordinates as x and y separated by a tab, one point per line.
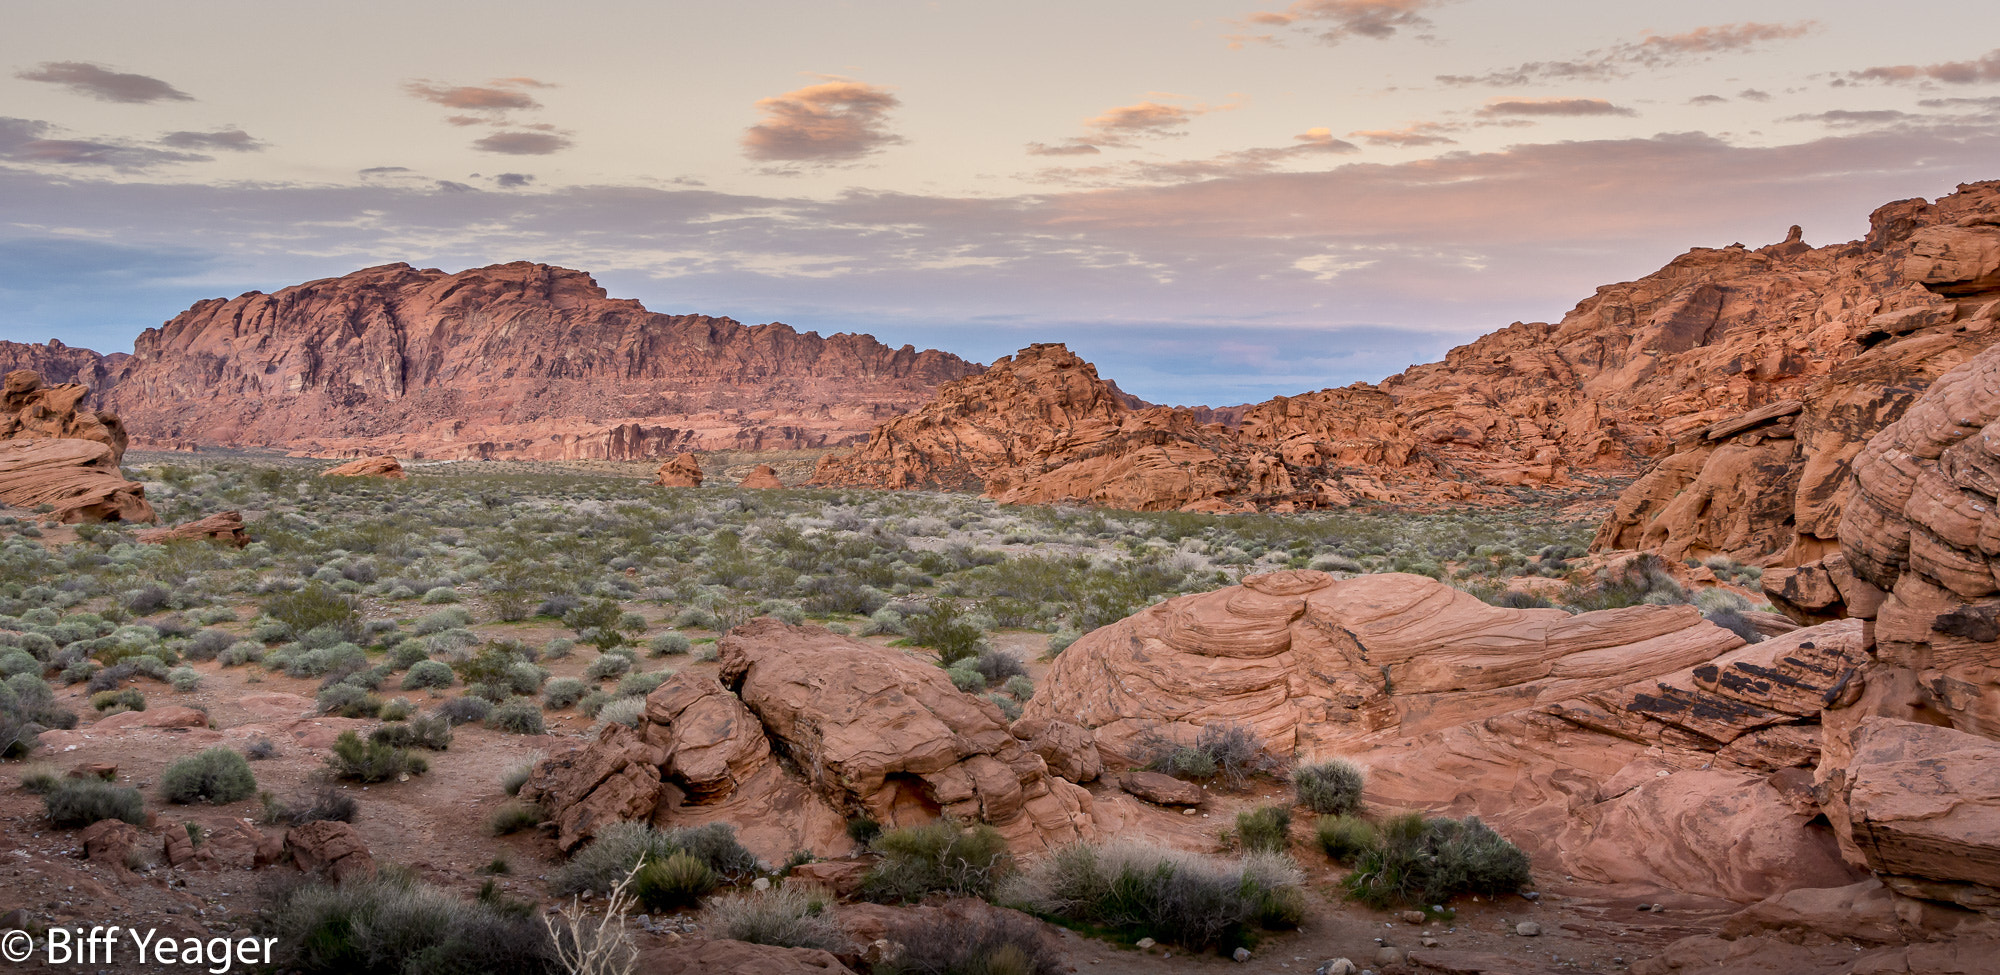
1412	917
761	883
1389	956
1240	955
1336	966
1528	929
1428	942
1145	944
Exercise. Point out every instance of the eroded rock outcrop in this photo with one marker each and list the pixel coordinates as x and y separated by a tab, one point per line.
761	478
520	360
683	470
869	730
225	527
53	452
383	466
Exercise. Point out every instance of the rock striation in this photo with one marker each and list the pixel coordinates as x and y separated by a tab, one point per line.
863	730
54	453
518	360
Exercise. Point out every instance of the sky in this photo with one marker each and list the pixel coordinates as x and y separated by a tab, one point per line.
1216	201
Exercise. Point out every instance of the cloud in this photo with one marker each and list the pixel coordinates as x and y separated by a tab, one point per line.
1321	140
1651	50
1333	21
509	181
498	95
448	186
522	143
222	140
1976	71
374	171
1753	95
1072	147
1122	127
1848	118
1410	136
1551	106
833	121
28	141
100	83
1707	100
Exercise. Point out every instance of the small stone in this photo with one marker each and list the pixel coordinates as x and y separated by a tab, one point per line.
1412	917
1337	966
1644	907
1145	944
1530	895
1240	955
1428	942
1190	812
1528	929
1389	956
761	883
1659	909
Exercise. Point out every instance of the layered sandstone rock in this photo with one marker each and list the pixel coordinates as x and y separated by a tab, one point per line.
223	526
514	360
60	364
1919	296
1924	806
762	478
684	470
1615	745
53	453
383	466
870	730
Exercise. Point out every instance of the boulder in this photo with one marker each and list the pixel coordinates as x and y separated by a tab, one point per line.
882	732
335	850
110	843
684	470
1070	751
1161	790
762	477
382	466
840	877
223	526
54	453
614	779
168	717
1923	804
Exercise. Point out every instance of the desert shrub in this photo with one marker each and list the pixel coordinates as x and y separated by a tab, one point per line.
966	677
313	607
620	846
1009	707
1731	619
514	817
668	644
349	701
260	749
590	704
394	924
397	709
464	710
489	666
408	653
1174	897
607	666
563	692
1344	837
986	943
940	627
520	716
184	679
678	882
439	595
76	803
239	653
1230	752
146	600
863	829
514	778
427	673
525	678
998	667
430	731
326	802
124	699
558	648
207	644
1266	829
1328	788
40	779
637	684
27	708
787	916
440	621
942	856
626	711
370	761
1060	641
1020	687
217	776
1419	861
338	658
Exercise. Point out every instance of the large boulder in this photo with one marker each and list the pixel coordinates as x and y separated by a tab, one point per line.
335	850
53	452
763	477
1923	806
684	470
383	466
225	527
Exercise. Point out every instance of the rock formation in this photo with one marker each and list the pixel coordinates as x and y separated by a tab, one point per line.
59	364
383	466
1754	374
869	730
682	471
223	526
53	453
515	360
762	477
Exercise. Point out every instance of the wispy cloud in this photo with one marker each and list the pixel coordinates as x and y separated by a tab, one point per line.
1975	71
522	143
1409	136
31	142
1650	50
1127	125
834	121
494	104
223	140
1333	21
498	95
104	84
1551	106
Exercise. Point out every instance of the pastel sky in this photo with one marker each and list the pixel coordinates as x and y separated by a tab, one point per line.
1215	200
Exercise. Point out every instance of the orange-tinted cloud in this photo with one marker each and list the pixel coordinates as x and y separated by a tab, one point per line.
522	143
498	95
1414	134
103	84
835	120
1649	51
1333	21
1123	126
1950	72
1551	106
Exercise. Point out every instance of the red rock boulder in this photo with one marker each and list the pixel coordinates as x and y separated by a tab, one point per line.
763	478
684	470
383	466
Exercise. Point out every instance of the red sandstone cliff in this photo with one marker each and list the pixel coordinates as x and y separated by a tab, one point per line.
510	361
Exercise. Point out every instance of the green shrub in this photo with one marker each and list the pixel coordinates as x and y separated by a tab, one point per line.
397	709
465	710
125	698
1230	752
328	802
315	606
678	882
76	803
217	776
40	779
590	704
349	701
520	716
986	943
1329	788
638	684
239	653
628	711
940	627
668	644
939	857
607	666
514	817
563	692
1179	898
1345	837
863	829
430	731
184	679
371	761
1419	861
427	673
620	846
393	924
1266	829
787	916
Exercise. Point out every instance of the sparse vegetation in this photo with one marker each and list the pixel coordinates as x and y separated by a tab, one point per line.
988	943
1179	898
785	916
676	883
1329	788
620	847
1229	753
76	803
393	923
372	761
943	856
1429	861
217	776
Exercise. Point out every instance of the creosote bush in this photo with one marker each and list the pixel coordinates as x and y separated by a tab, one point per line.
76	803
1344	837
217	776
1419	861
372	761
393	923
1179	898
1329	788
676	883
1265	829
986	943
942	856
785	916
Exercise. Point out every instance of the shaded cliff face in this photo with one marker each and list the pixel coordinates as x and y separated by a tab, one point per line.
1625	376
510	361
57	363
